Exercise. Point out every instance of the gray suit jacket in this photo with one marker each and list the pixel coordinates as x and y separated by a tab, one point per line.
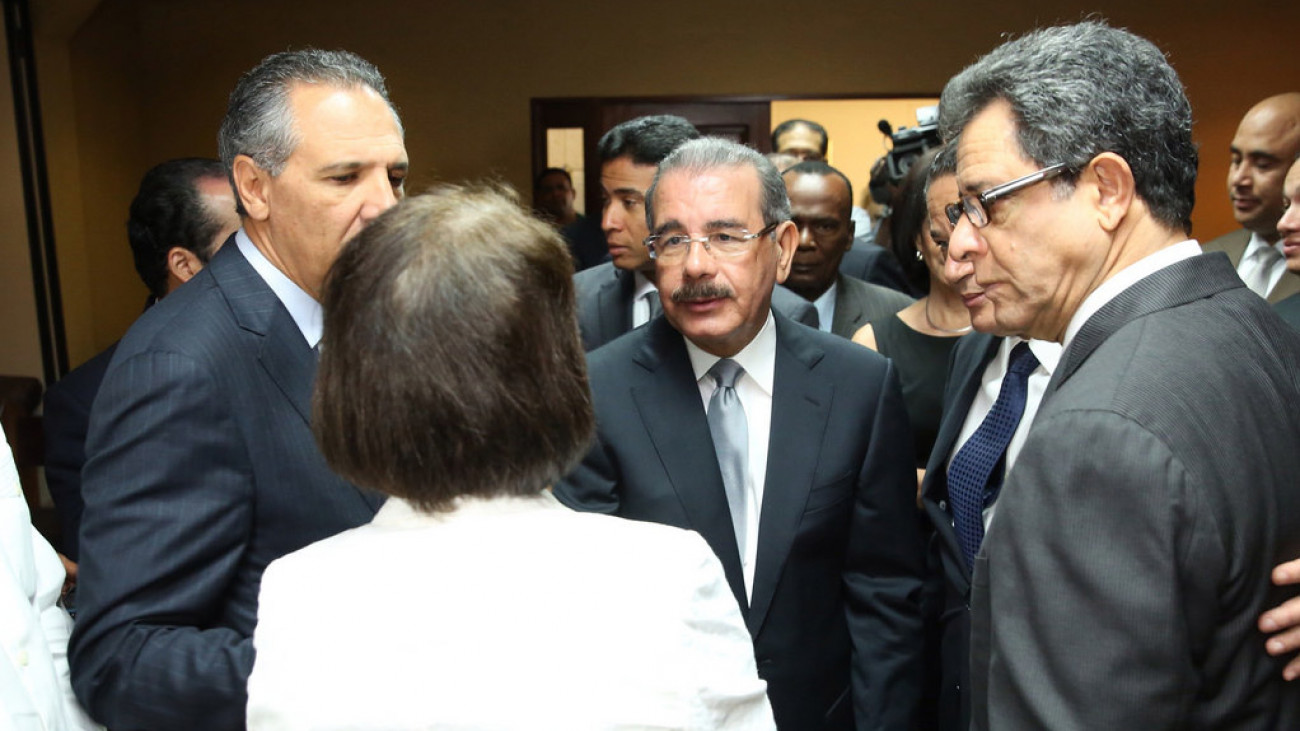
834	613
604	297
201	469
858	302
1119	583
1234	245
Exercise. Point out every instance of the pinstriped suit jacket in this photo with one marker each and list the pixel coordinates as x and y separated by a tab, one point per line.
201	469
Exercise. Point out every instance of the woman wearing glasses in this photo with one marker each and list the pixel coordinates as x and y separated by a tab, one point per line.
920	338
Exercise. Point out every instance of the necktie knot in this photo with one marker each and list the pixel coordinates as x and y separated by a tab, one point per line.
726	372
1023	361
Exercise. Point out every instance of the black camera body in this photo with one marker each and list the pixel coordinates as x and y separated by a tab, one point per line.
907	144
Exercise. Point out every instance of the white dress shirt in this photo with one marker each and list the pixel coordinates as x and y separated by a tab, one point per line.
1048	355
754	389
640	305
503	613
825	305
35	691
1255	266
302	307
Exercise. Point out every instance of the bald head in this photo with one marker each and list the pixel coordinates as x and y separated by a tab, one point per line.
1266	142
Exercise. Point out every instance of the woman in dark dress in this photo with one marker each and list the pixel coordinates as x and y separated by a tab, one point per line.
920	338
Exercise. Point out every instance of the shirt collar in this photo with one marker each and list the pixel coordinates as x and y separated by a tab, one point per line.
1047	352
758	358
642	285
1257	242
825	306
302	307
1125	278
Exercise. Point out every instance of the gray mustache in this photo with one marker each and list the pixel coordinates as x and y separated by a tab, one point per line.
701	291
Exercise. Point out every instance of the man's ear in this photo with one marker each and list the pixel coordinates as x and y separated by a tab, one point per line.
182	264
1115	188
787	240
251	186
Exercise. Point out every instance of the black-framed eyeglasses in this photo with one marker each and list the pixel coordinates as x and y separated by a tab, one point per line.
724	243
976	206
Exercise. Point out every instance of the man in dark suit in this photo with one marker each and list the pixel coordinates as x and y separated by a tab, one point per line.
620	294
821	199
201	468
183	212
1118	582
1266	142
797	473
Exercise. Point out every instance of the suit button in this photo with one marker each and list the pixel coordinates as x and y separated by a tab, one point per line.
943	504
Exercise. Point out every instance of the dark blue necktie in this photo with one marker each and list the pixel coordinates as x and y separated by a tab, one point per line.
974	474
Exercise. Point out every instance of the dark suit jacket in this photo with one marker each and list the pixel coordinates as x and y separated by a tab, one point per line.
1234	245
837	579
858	302
875	264
1119	585
201	470
66	418
970	357
1288	309
604	297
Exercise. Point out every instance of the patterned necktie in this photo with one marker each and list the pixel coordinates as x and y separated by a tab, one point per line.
973	475
1263	260
730	433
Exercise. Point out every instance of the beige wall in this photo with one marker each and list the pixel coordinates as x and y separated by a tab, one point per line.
147	79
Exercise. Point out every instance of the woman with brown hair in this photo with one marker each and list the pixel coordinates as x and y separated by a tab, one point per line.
452	379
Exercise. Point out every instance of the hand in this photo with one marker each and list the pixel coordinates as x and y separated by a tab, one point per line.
1283	622
70	574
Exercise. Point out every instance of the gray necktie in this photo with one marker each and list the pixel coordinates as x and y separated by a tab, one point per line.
1257	279
655	307
730	440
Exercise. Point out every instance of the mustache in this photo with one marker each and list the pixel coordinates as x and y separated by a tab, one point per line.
701	291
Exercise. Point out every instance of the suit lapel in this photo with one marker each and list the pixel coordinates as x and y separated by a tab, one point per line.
667	399
849	310
615	298
970	358
800	410
1177	284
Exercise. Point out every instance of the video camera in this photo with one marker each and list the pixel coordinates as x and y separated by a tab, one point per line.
909	143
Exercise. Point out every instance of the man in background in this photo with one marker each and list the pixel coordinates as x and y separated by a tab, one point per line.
183	212
1266	142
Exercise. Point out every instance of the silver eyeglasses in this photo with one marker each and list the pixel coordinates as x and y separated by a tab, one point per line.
976	207
721	244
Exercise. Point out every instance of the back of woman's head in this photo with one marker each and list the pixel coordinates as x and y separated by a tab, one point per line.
908	215
450	363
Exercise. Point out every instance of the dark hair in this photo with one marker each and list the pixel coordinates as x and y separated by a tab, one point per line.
537	182
450	363
259	118
648	140
168	211
790	124
710	153
1079	90
819	167
907	218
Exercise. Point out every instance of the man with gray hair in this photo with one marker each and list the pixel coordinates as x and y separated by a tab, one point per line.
784	447
201	468
1118	582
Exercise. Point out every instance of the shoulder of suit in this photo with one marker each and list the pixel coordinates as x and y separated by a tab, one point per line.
819	349
868	290
593	278
1228	241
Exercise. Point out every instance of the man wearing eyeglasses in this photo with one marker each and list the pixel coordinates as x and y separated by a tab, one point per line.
785	448
1119	582
620	295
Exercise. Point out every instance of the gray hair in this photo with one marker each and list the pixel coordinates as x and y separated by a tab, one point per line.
259	120
710	153
1079	90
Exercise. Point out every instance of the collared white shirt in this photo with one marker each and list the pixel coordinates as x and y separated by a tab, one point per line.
640	305
754	389
1125	278
1048	355
825	305
302	307
1250	263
